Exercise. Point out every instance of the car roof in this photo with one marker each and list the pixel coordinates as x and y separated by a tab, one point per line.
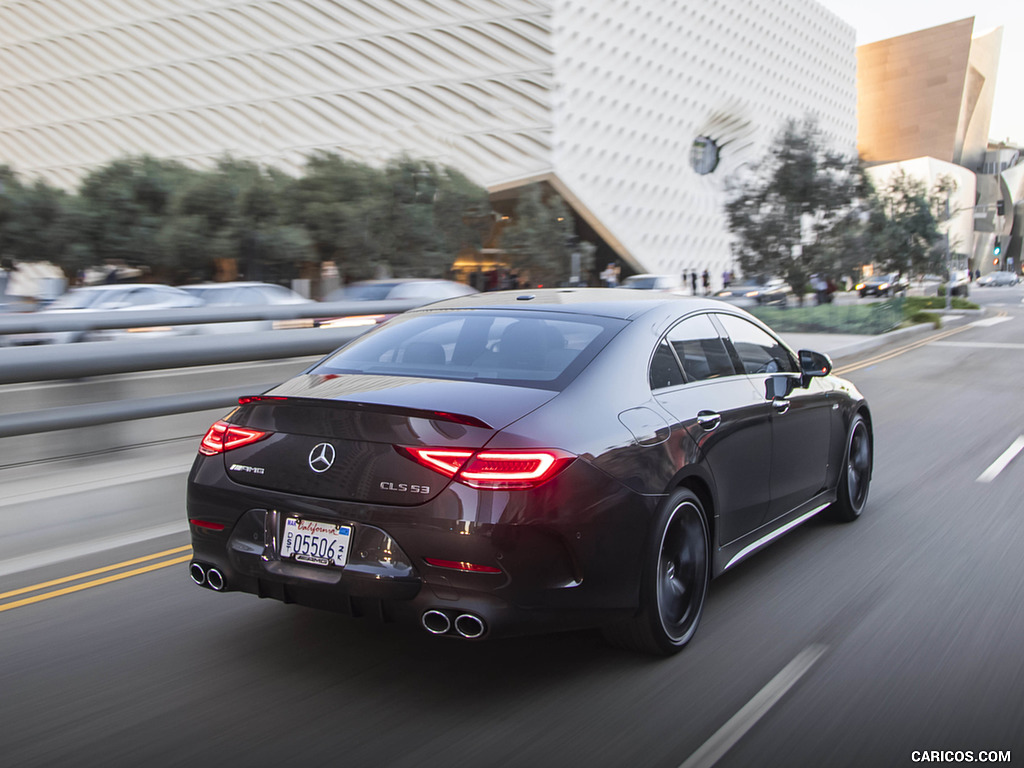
237	284
399	280
121	286
602	302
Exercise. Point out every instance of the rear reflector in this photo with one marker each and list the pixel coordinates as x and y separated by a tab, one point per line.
512	469
461	566
226	437
206	524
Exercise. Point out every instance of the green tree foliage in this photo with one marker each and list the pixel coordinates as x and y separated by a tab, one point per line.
39	223
540	239
792	211
408	218
904	224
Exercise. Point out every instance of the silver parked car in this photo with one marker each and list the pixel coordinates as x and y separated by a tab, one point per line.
118	297
998	278
247	294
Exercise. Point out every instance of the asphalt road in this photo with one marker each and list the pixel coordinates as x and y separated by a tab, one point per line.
840	645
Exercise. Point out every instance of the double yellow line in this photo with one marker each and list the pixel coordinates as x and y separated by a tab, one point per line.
79	577
881	358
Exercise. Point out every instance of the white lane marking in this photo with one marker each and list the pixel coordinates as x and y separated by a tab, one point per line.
70	552
1000	464
711	751
990	321
979	344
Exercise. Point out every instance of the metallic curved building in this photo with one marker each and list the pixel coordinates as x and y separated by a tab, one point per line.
637	112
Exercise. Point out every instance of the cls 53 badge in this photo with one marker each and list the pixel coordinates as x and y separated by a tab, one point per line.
404	487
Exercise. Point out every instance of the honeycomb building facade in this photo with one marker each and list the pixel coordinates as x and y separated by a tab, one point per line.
637	112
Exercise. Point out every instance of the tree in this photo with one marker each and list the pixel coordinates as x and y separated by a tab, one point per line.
905	221
540	238
125	204
794	206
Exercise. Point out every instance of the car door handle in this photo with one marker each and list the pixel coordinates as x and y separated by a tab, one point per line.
708	420
781	405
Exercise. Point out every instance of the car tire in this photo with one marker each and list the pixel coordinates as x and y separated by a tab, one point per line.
674	581
855	480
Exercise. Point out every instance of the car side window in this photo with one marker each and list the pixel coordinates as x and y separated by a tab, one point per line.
665	370
700	349
758	351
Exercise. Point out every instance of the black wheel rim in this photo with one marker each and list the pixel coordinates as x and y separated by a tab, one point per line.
858	465
682	572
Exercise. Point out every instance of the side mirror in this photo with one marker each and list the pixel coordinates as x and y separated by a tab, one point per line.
814	364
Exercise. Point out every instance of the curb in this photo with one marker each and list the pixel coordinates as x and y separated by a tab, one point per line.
950	320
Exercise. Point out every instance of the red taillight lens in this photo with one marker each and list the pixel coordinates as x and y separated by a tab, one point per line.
206	524
447	461
225	437
457	565
512	469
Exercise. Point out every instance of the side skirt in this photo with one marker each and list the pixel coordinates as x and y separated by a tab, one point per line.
739	551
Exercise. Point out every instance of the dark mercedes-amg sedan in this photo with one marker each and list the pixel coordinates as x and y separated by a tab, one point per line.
529	461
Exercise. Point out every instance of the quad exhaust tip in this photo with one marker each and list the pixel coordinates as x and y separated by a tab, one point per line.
465	625
215	579
470	626
436	622
208	577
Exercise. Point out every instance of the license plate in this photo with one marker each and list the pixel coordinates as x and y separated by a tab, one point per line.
308	541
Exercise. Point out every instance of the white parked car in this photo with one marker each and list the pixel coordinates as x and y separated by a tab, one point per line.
646	282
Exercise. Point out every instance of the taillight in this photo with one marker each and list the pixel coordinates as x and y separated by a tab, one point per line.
511	469
226	437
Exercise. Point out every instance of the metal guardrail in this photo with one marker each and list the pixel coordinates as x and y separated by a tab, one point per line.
19	365
79	320
101	358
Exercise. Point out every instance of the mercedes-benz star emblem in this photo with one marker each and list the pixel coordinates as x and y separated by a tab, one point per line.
321	457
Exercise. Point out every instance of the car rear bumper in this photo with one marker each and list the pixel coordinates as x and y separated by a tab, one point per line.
564	556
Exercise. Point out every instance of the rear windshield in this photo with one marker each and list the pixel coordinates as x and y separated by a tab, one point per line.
534	349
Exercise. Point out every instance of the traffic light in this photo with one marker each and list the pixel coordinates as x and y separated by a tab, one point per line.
997	248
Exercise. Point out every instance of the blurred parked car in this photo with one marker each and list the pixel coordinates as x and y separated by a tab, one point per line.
106	298
247	294
883	285
423	290
647	282
998	278
398	289
774	292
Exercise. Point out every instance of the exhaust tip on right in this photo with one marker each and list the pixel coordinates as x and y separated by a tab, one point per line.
215	579
470	626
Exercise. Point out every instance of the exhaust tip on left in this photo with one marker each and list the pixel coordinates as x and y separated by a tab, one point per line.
198	573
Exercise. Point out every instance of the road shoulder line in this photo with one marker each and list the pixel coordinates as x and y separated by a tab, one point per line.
711	751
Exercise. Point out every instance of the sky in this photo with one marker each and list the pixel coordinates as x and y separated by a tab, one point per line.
880	19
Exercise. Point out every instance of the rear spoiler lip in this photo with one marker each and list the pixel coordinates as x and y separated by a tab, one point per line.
394	410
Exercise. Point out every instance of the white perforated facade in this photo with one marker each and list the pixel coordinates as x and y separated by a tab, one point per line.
602	98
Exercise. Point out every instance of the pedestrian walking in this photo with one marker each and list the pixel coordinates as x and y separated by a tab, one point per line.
706	281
